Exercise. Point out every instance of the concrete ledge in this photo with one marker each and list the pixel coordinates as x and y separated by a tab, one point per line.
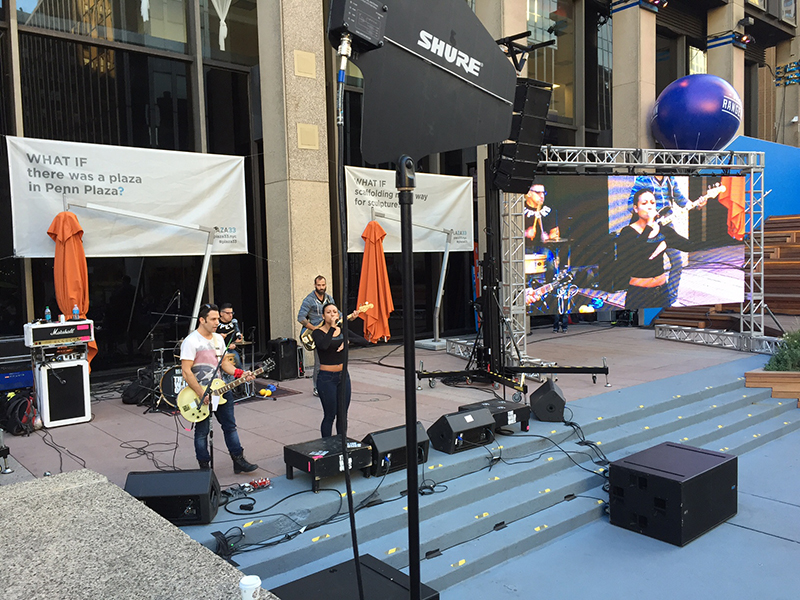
77	535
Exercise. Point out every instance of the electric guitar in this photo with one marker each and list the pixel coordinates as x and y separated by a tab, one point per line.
563	278
670	213
305	334
192	408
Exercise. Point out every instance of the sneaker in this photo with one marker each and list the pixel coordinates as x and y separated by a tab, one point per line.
240	464
315	392
204	464
564	330
555	330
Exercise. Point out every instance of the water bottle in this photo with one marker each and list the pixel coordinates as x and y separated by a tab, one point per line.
48	316
76	313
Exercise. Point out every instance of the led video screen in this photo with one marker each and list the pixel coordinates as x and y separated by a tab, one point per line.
627	242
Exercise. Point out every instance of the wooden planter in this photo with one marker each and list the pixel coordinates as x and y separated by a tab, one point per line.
784	384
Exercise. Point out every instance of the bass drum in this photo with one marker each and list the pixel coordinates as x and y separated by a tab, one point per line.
171	385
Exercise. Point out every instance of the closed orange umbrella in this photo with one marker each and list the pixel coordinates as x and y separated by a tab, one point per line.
70	274
374	285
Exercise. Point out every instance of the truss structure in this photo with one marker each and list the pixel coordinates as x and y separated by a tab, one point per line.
512	288
641	161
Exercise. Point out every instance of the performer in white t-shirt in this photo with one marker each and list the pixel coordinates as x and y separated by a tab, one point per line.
200	353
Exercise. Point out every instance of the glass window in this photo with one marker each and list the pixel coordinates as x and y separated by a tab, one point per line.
697	61
762	4
83	93
790	11
239	44
152	23
604	62
553	20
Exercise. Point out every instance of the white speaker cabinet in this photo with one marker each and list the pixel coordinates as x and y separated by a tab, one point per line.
62	392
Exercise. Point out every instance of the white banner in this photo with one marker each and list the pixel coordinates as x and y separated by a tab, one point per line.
185	188
441	202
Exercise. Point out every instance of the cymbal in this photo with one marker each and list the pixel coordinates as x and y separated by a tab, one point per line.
244	343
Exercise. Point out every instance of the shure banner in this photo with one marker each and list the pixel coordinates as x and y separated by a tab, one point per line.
441	203
186	188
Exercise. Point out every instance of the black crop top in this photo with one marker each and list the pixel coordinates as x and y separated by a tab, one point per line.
327	346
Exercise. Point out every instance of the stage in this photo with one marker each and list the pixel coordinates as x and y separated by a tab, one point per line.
119	438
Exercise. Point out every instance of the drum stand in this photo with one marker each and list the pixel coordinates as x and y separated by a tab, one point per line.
156	394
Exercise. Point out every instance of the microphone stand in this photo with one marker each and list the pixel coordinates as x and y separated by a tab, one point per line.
150	333
211	404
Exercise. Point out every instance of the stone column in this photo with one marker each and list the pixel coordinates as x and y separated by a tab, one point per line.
724	59
292	46
787	98
633	87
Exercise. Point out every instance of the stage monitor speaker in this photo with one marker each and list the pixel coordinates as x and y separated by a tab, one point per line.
284	352
182	497
673	492
389	449
461	431
505	412
339	583
547	403
62	392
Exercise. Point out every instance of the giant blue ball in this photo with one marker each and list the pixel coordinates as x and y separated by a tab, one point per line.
696	112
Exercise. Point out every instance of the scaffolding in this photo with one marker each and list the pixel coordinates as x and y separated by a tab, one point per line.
623	161
512	287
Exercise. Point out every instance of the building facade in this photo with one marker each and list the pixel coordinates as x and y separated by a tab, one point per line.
257	79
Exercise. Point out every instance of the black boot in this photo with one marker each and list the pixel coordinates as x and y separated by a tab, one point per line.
240	464
204	464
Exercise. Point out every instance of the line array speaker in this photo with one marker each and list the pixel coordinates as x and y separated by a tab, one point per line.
461	431
516	164
182	497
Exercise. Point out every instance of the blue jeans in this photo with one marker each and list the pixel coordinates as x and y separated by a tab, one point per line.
562	319
328	384
227	422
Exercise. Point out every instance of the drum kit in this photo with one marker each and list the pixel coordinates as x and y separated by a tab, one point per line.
170	378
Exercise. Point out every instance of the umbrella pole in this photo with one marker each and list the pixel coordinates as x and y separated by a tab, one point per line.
406	182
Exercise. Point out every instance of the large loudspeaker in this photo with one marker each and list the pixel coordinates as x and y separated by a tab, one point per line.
389	449
516	165
62	392
284	352
463	430
339	583
547	403
672	492
182	497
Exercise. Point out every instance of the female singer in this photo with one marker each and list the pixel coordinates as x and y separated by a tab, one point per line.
641	246
330	346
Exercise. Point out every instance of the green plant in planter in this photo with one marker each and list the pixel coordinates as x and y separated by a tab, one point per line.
787	358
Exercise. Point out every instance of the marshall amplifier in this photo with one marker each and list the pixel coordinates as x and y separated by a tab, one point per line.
58	334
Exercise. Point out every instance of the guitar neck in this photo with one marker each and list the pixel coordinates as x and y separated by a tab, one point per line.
236	382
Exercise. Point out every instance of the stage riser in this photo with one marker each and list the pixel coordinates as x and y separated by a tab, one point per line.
517	496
